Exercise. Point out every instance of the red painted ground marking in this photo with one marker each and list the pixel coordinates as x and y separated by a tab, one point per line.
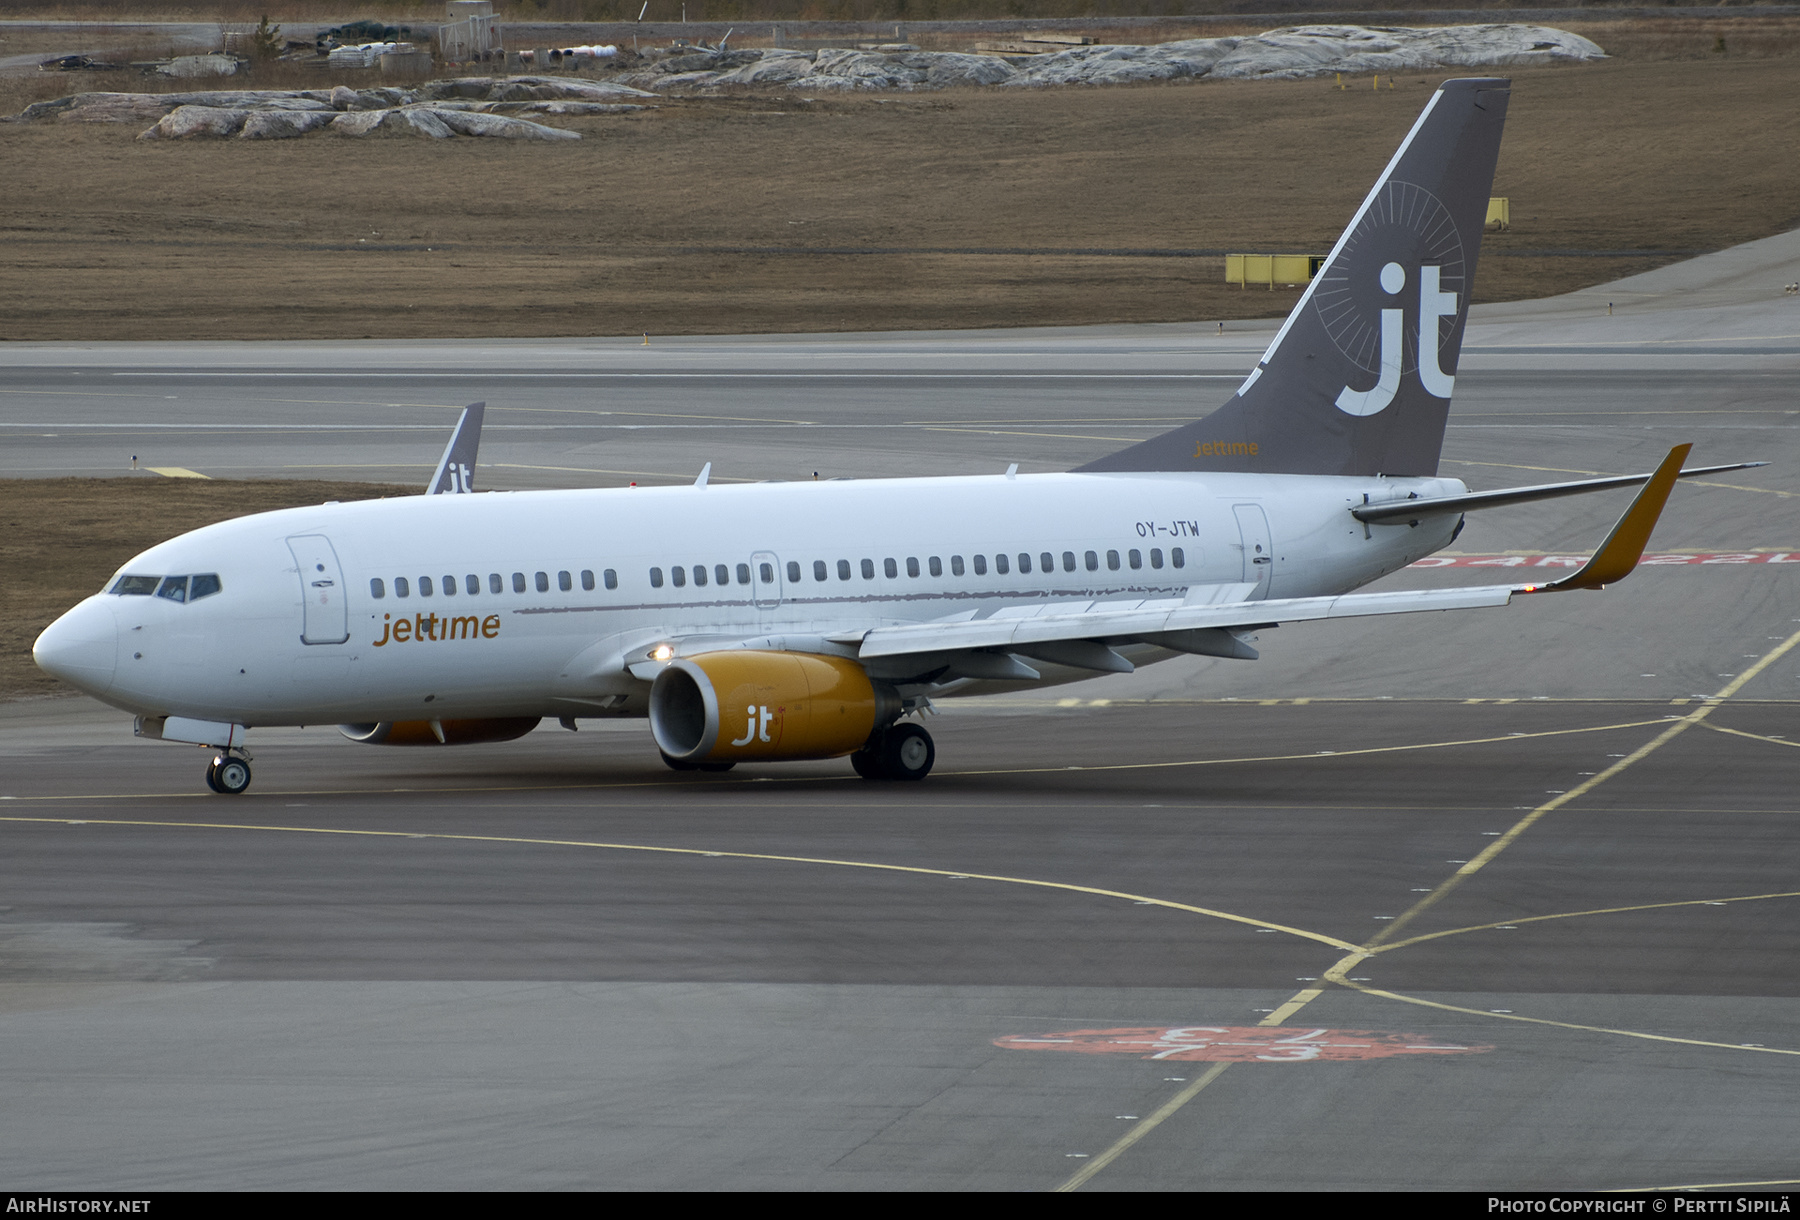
1236	1043
1575	561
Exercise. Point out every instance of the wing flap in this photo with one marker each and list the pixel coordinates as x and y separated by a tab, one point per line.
1124	625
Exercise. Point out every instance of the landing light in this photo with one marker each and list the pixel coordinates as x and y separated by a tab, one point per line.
662	652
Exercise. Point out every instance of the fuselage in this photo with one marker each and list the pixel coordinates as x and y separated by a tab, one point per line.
537	603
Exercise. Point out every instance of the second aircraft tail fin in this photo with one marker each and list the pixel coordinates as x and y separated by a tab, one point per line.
1347	387
456	469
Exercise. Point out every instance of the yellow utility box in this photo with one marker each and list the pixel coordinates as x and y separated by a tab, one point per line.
1272	269
1499	217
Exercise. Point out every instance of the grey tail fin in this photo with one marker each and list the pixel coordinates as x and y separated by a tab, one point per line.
456	469
1347	388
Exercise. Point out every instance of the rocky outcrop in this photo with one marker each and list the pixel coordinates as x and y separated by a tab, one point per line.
186	122
1302	51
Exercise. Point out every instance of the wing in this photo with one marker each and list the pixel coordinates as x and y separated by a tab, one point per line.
1210	619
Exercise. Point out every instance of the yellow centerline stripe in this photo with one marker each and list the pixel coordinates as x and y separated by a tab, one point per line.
1774	741
1627	1190
1531	819
815	779
1644	906
516	840
1143	1128
1335	975
1317	754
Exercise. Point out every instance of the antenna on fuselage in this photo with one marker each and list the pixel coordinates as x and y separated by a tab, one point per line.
455	473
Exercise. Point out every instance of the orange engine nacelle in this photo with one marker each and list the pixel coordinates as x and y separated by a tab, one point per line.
744	705
439	732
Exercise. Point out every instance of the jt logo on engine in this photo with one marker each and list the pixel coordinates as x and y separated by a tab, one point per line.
757	727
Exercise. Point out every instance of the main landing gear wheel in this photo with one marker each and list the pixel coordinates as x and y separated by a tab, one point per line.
228	775
903	752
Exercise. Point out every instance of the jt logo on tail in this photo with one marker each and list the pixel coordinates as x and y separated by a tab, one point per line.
1358	379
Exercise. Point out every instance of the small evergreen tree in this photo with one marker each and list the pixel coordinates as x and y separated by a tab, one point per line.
266	42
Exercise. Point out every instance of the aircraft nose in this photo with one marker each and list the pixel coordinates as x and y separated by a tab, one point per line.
81	647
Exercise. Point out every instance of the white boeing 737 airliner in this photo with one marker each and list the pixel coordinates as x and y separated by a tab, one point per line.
810	620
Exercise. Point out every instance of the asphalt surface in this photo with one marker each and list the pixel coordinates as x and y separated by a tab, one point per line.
1501	899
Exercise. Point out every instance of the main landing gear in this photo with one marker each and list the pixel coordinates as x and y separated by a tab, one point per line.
228	774
900	751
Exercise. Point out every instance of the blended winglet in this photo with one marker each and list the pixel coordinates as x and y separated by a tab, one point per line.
455	474
1620	553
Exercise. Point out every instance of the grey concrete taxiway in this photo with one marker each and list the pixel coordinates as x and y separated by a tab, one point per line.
1500	899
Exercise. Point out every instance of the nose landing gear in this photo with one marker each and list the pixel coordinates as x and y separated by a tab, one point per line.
901	751
228	774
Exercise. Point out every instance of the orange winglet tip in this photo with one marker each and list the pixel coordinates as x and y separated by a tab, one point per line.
1624	546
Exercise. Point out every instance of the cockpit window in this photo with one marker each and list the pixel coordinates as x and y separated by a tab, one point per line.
173	588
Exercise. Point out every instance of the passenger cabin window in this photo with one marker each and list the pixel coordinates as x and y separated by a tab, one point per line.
937	566
1135	558
843	569
912	565
743	573
890	568
956	565
495	584
377	589
1048	560
136	586
868	569
587	581
1092	561
656	578
700	575
767	572
449	583
678	575
1156	557
981	565
1068	561
565	582
1000	564
425	586
818	569
400	587
1177	557
1025	562
793	571
518	582
1112	561
472	583
611	578
543	582
722	574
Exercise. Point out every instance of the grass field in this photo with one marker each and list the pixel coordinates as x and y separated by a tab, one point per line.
733	214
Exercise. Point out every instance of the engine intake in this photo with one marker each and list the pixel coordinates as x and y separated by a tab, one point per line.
742	705
439	732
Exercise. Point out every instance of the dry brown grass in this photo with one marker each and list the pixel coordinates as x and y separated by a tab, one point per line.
654	221
61	538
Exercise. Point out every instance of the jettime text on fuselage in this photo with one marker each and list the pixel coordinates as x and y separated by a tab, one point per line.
422	627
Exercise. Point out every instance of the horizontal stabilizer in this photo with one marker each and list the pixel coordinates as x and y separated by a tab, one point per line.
1408	511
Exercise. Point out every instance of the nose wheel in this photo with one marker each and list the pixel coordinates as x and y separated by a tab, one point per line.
902	752
228	774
